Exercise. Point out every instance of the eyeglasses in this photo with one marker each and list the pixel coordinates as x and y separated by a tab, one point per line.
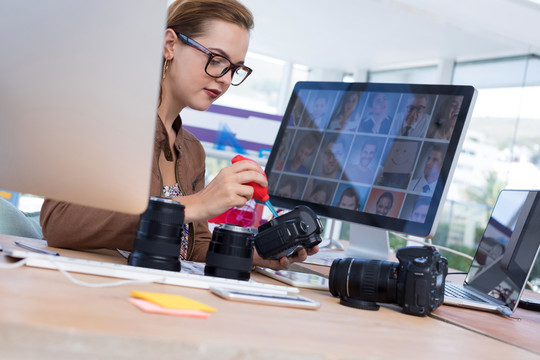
217	65
419	108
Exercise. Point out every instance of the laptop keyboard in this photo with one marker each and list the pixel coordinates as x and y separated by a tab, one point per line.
452	290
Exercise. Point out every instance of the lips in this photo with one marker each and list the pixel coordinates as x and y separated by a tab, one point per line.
213	93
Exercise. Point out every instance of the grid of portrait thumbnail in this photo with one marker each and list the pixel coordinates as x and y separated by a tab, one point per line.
376	152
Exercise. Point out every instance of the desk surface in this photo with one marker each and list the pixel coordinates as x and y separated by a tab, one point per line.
44	315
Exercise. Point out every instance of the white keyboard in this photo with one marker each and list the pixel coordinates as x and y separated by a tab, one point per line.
142	274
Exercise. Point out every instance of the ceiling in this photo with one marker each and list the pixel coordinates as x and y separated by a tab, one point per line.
353	35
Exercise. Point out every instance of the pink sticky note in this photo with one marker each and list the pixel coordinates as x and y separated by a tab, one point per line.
150	307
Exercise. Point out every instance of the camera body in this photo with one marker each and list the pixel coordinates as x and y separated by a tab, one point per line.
284	234
421	276
416	283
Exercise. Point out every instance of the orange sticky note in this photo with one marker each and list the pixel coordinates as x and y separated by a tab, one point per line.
172	301
150	307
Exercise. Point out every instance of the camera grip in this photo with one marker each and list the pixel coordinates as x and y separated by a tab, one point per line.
276	239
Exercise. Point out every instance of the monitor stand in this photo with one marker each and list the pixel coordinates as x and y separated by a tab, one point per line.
332	232
367	242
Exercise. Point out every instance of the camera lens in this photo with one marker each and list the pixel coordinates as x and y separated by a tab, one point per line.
369	280
157	243
230	253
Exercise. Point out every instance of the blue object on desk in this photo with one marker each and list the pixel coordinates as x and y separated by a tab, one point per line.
11	196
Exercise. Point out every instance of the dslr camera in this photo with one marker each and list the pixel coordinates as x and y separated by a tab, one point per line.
284	234
416	283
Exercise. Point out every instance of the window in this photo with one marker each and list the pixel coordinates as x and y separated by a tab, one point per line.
260	92
418	75
272	80
501	149
502	139
299	73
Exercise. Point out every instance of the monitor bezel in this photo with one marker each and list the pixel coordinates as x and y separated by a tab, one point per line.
425	229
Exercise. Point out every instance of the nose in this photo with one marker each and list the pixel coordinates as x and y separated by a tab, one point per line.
225	80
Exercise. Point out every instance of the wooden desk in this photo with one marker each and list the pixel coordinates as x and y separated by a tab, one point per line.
521	329
44	315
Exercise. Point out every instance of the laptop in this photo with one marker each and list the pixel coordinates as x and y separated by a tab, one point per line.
504	258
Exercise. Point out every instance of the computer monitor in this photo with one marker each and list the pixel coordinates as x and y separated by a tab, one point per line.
380	156
80	86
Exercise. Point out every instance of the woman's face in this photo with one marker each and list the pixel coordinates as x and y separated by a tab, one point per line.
186	82
383	206
319	197
319	108
379	104
351	102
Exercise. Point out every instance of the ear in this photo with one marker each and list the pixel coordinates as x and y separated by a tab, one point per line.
169	44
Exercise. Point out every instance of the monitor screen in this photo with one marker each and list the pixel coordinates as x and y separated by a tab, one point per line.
80	88
375	154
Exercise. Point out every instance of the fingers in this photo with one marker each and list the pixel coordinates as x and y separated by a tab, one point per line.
299	255
236	179
281	264
230	188
285	262
247	165
249	171
313	250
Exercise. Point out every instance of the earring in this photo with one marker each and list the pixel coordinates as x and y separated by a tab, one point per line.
165	67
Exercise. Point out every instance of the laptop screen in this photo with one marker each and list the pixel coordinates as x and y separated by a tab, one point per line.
508	248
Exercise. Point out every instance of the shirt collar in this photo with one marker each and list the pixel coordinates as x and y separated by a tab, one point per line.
162	137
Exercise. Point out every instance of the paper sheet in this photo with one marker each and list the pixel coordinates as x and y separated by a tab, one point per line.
150	307
172	301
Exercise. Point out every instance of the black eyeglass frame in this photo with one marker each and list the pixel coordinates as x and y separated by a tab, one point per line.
211	55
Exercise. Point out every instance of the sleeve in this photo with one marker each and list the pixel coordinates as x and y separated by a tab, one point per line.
192	180
73	226
202	238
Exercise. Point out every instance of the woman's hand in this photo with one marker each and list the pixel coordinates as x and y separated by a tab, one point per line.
228	189
284	262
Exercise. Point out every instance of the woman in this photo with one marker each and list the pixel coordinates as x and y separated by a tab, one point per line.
203	53
377	121
343	120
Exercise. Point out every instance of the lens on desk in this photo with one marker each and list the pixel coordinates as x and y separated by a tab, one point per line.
157	243
230	253
370	280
